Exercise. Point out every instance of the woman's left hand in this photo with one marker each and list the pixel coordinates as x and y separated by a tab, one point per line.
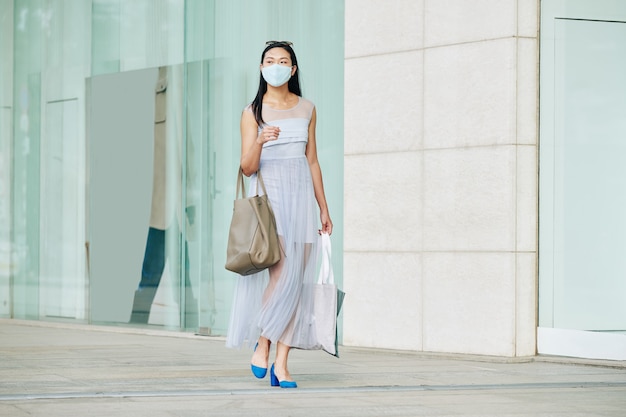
327	224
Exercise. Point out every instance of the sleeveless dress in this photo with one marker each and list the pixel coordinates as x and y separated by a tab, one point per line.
283	313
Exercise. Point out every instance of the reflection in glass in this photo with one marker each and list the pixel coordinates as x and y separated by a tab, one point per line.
166	216
137	222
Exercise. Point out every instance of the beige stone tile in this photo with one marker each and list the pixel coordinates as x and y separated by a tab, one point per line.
528	18
383	202
382	305
469	199
527	91
468	303
375	27
470	94
459	21
527	204
383	103
526	304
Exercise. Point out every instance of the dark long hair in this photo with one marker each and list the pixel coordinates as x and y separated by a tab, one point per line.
293	84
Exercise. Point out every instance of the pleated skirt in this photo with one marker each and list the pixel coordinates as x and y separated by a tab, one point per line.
282	310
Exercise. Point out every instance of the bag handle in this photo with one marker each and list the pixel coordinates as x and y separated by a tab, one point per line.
241	186
326	275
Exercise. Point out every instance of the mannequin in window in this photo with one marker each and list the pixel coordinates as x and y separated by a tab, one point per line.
166	219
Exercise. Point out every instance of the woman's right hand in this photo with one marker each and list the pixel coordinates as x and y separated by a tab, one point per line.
267	134
252	142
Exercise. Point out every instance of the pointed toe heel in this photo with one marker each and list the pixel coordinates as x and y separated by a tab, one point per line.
283	384
288	384
257	370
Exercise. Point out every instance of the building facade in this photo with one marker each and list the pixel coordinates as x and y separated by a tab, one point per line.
473	214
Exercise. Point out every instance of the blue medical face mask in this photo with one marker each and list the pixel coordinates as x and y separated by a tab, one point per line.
276	75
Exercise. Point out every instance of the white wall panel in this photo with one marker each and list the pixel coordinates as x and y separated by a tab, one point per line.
383	202
470	94
469	199
526	199
450	22
528	18
382	307
376	27
379	110
526	304
527	91
469	303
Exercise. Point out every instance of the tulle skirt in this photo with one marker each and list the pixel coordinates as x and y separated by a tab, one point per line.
282	310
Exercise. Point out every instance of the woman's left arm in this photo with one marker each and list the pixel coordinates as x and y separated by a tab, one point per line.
316	174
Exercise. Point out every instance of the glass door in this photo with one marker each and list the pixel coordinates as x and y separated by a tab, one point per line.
582	248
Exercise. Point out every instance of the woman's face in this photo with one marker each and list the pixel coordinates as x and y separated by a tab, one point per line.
278	56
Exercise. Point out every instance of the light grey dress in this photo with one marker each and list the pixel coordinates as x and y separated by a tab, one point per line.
283	313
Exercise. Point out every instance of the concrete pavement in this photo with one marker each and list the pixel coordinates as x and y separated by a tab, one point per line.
54	370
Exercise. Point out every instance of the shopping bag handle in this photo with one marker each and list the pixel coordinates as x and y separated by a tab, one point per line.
326	275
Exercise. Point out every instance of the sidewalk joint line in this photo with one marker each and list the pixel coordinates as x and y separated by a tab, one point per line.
335	390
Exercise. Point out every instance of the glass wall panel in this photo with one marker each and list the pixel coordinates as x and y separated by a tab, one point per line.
62	201
582	227
121	124
592	228
49	158
136	157
138	34
105	37
6	153
27	37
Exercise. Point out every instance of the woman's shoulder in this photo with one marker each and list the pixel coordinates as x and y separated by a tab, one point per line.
306	102
306	105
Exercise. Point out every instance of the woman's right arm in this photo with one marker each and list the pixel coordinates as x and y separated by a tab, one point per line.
250	145
252	142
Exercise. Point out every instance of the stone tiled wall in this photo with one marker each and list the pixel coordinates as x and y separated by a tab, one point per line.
441	104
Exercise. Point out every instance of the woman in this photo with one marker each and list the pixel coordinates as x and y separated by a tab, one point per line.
278	137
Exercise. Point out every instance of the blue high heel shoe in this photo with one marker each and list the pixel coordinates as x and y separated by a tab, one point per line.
283	384
257	370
